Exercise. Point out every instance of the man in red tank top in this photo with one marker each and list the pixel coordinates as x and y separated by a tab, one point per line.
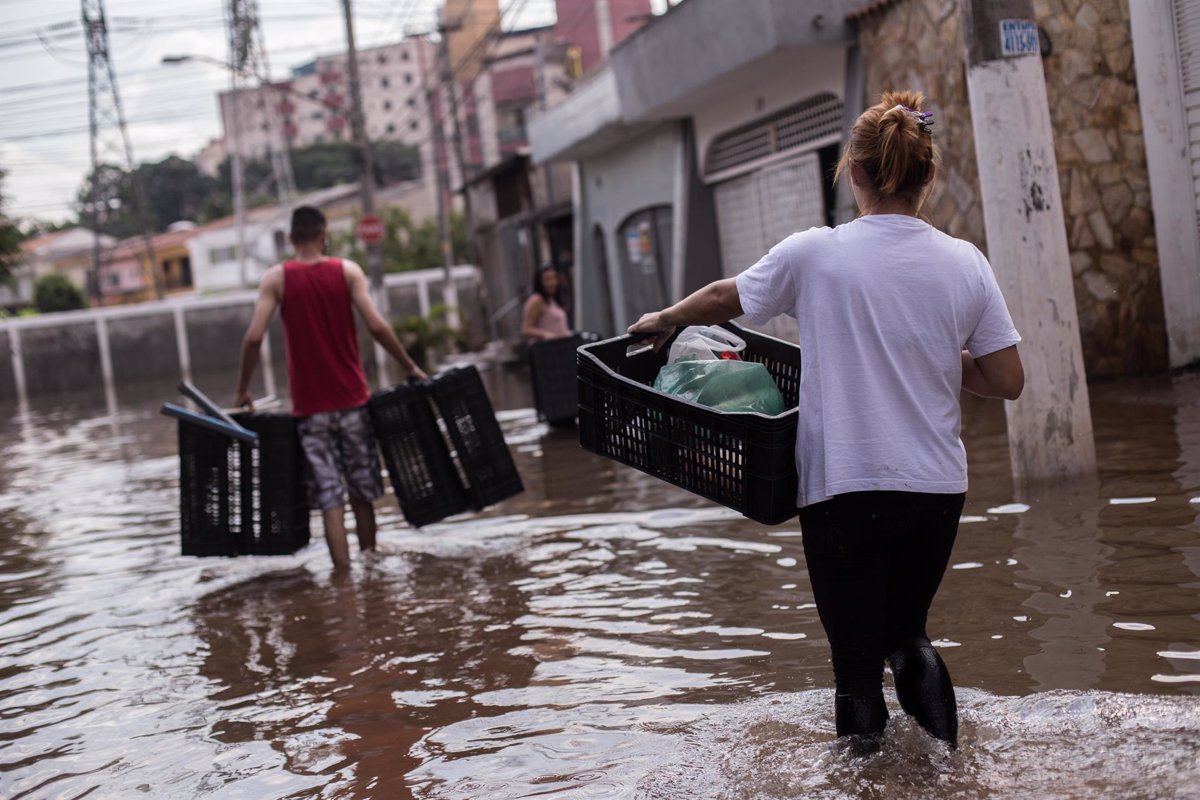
317	296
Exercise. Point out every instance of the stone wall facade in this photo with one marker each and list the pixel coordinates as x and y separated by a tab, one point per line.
1092	91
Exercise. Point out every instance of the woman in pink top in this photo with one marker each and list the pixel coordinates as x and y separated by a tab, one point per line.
544	315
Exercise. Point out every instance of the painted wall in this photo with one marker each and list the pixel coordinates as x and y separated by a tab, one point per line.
578	25
213	252
782	79
1091	86
61	353
613	186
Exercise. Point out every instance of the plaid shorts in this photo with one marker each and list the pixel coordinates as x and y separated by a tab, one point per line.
341	453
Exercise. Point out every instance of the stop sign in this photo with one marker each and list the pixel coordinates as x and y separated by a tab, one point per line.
370	229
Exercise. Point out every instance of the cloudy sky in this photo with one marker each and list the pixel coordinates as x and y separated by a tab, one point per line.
169	108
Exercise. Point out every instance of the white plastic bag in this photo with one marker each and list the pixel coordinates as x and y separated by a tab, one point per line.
704	343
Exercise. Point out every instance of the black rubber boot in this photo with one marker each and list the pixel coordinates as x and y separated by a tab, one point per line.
861	718
924	689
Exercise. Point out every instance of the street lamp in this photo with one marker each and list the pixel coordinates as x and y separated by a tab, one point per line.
237	168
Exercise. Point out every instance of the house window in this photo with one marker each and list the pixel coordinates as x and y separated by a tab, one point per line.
381	58
387	105
413	125
412	102
384	82
219	255
408	78
391	128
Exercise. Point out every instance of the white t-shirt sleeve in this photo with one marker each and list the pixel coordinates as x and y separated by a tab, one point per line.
768	288
995	330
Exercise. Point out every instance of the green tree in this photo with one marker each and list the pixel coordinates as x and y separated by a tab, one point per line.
174	189
406	245
320	166
10	240
55	293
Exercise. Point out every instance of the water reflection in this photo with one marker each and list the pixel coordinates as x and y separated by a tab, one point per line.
345	673
602	635
1060	558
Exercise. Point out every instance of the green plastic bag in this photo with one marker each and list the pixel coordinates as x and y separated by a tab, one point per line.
726	385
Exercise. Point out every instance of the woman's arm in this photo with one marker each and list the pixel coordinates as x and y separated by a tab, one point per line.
535	306
1000	374
718	302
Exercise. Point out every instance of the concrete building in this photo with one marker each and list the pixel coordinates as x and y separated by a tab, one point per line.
523	214
68	253
214	262
691	161
313	107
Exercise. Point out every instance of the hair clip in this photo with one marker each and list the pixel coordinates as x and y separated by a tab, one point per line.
923	118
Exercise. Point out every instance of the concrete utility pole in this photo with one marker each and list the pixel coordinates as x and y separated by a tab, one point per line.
449	290
539	74
1050	427
604	28
464	171
366	183
237	177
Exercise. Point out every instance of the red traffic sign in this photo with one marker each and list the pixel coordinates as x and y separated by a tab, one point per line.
370	229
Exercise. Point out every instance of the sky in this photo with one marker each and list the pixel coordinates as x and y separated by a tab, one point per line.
168	108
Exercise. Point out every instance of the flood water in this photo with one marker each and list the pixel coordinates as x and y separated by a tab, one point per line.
603	635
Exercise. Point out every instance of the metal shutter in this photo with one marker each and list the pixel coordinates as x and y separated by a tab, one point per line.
757	211
739	224
1187	33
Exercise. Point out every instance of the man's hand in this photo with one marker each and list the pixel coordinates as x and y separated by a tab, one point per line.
244	400
415	374
652	328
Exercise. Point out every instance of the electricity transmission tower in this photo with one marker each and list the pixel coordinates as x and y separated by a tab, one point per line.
110	149
249	68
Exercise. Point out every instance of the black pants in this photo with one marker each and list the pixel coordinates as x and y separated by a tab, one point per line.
875	560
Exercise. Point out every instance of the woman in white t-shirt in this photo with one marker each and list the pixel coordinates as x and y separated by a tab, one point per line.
895	319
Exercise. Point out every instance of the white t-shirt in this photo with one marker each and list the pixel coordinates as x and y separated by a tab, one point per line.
886	304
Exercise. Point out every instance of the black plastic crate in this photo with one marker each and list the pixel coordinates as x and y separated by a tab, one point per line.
236	498
491	475
210	472
426	482
275	493
555	381
742	460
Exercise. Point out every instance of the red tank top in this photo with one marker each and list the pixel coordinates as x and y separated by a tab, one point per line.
324	367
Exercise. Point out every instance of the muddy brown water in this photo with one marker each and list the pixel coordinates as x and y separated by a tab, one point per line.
603	635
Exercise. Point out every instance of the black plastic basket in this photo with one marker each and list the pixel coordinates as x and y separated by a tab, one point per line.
744	461
491	475
555	382
279	521
236	498
426	482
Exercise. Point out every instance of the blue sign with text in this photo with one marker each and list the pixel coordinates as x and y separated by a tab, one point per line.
1018	37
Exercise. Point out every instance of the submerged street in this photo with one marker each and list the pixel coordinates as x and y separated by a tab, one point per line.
602	635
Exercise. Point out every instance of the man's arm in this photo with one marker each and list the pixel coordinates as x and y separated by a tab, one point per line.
360	295
268	300
718	302
999	374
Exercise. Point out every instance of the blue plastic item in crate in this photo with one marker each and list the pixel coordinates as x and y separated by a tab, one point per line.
745	461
